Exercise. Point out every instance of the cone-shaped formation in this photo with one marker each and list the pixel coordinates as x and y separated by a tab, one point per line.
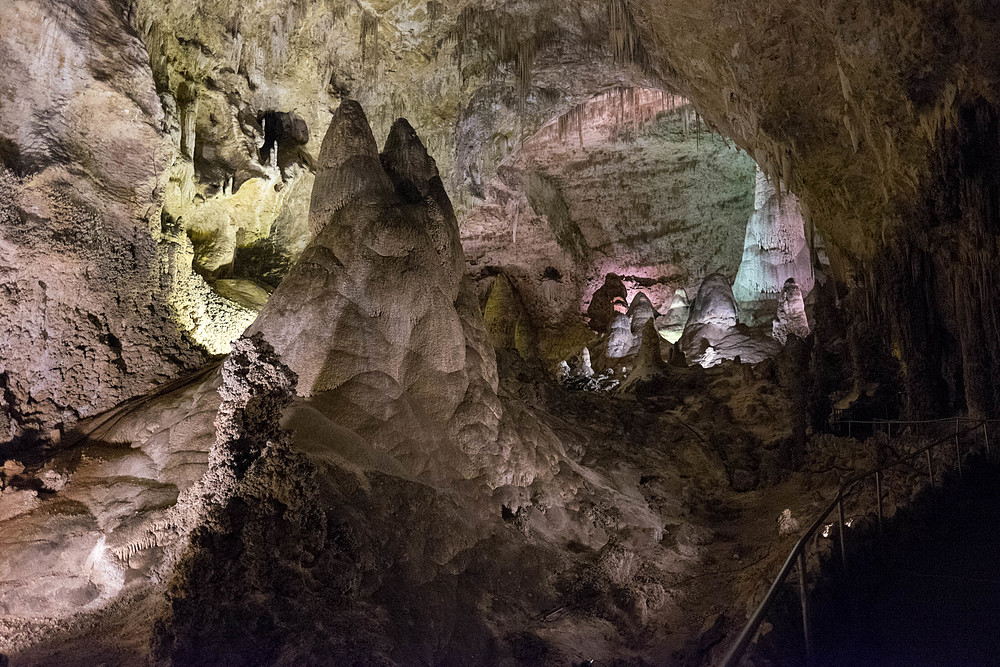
620	338
714	303
649	365
407	162
414	175
372	318
348	166
640	311
791	318
671	326
775	249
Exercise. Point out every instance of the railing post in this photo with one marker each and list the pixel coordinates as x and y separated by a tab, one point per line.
878	497
930	467
958	451
805	604
888	426
843	527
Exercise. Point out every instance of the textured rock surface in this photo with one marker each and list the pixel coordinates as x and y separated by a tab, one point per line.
775	250
370	317
880	117
621	341
670	326
714	304
507	321
84	321
791	318
640	311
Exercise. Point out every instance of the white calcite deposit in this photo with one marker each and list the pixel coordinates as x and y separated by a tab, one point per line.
775	248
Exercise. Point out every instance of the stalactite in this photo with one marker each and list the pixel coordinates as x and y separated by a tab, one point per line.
369	29
623	33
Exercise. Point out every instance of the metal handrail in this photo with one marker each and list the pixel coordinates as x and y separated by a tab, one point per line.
797	554
939	420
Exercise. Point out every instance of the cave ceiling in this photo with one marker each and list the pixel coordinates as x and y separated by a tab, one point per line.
199	124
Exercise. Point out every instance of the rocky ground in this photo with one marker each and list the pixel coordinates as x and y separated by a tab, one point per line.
639	550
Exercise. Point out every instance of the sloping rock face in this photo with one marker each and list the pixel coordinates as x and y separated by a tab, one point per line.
84	321
775	250
375	319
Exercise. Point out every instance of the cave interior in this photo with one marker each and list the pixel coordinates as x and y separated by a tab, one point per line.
482	333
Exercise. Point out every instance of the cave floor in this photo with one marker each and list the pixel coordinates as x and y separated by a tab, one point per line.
718	552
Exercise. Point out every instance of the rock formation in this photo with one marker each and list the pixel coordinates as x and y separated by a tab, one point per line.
507	320
776	249
670	326
414	504
601	310
380	221
714	304
649	366
791	318
640	311
84	321
711	333
620	338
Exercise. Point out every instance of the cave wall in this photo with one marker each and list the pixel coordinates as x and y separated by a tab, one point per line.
932	287
109	109
83	318
630	182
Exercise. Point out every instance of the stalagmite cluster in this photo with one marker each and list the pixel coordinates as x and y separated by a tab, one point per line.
458	332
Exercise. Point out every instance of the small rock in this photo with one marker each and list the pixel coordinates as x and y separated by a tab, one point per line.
52	480
786	524
695	535
562	372
586	369
12	467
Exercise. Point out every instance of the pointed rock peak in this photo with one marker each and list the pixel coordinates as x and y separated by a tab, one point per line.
405	156
349	136
650	352
641	299
680	299
649	370
640	311
348	167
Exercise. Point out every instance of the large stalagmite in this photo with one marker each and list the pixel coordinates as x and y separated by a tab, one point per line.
375	318
775	249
